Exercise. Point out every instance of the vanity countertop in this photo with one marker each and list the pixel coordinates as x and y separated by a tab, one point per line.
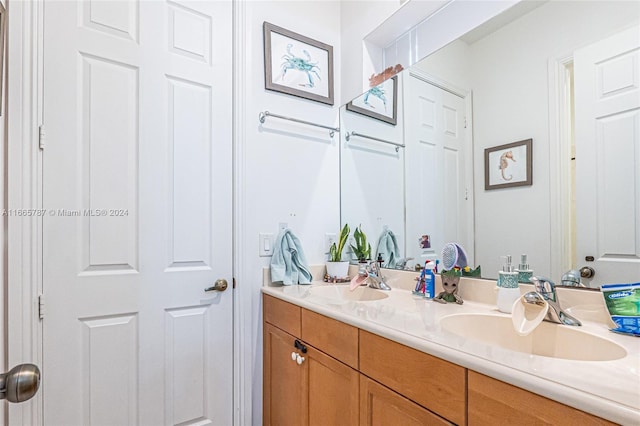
609	389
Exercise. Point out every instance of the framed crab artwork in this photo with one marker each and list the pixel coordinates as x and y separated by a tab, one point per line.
297	65
508	165
379	102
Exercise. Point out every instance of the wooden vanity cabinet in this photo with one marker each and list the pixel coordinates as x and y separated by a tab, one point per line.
492	401
318	389
434	383
283	379
380	406
350	376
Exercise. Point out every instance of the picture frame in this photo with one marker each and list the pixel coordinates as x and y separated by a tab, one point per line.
375	102
509	165
297	65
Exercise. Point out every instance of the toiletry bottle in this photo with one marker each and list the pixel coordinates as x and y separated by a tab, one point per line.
524	272
508	290
430	280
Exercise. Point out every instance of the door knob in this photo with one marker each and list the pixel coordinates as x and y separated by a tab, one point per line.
219	285
20	383
587	272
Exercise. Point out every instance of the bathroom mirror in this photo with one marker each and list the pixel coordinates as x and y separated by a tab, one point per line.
512	79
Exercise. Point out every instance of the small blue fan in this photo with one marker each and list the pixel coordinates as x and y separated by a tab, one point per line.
453	255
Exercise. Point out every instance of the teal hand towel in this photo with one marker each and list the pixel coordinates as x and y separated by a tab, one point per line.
288	263
388	249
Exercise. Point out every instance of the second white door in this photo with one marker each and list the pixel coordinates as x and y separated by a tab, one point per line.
607	134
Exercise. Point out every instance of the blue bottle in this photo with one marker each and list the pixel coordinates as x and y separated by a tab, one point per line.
430	280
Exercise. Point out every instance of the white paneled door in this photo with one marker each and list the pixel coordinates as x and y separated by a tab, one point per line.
137	187
437	147
607	134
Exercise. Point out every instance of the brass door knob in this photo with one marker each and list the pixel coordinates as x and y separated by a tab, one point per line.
587	272
220	285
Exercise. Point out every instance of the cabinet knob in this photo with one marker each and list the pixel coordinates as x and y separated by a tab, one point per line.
294	356
300	359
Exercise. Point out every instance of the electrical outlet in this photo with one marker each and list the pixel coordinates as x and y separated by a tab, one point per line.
328	240
265	248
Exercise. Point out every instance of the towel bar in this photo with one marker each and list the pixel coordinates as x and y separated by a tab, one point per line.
349	135
263	117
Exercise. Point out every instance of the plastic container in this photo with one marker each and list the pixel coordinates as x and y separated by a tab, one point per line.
508	290
430	280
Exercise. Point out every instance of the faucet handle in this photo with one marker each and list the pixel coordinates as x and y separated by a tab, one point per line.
545	287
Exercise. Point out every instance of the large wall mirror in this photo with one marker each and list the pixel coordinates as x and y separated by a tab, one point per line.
564	74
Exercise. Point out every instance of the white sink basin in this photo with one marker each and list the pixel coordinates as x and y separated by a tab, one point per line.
342	293
548	339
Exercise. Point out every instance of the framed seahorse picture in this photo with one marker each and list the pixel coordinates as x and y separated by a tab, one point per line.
508	165
297	65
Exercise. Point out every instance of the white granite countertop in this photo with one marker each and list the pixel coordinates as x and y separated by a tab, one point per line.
609	389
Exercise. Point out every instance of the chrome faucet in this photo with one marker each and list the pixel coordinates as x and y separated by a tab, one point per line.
571	278
374	276
546	289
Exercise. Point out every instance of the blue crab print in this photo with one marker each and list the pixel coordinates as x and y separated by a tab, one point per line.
378	92
293	62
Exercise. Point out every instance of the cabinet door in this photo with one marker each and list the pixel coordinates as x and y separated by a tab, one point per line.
282	387
331	389
382	406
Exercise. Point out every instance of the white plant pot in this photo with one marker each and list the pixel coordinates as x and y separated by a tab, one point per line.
338	269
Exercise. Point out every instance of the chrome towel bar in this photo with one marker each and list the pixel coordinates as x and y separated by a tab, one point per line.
263	117
360	135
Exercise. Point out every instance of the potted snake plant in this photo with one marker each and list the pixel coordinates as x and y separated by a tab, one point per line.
336	268
361	249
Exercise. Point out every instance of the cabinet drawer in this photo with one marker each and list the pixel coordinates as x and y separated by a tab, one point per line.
332	337
432	382
491	400
282	314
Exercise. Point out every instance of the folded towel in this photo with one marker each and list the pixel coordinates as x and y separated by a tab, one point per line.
388	248
288	263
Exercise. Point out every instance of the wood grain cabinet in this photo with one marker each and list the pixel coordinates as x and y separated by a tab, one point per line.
302	384
433	383
380	406
492	401
341	375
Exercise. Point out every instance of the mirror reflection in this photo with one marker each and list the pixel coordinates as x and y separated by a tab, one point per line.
562	73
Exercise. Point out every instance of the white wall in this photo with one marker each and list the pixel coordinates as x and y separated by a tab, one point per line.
451	64
511	103
357	20
291	170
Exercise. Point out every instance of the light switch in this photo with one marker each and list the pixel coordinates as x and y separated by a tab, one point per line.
328	240
265	247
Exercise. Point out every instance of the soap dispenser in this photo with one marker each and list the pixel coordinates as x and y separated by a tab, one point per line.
524	272
508	290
